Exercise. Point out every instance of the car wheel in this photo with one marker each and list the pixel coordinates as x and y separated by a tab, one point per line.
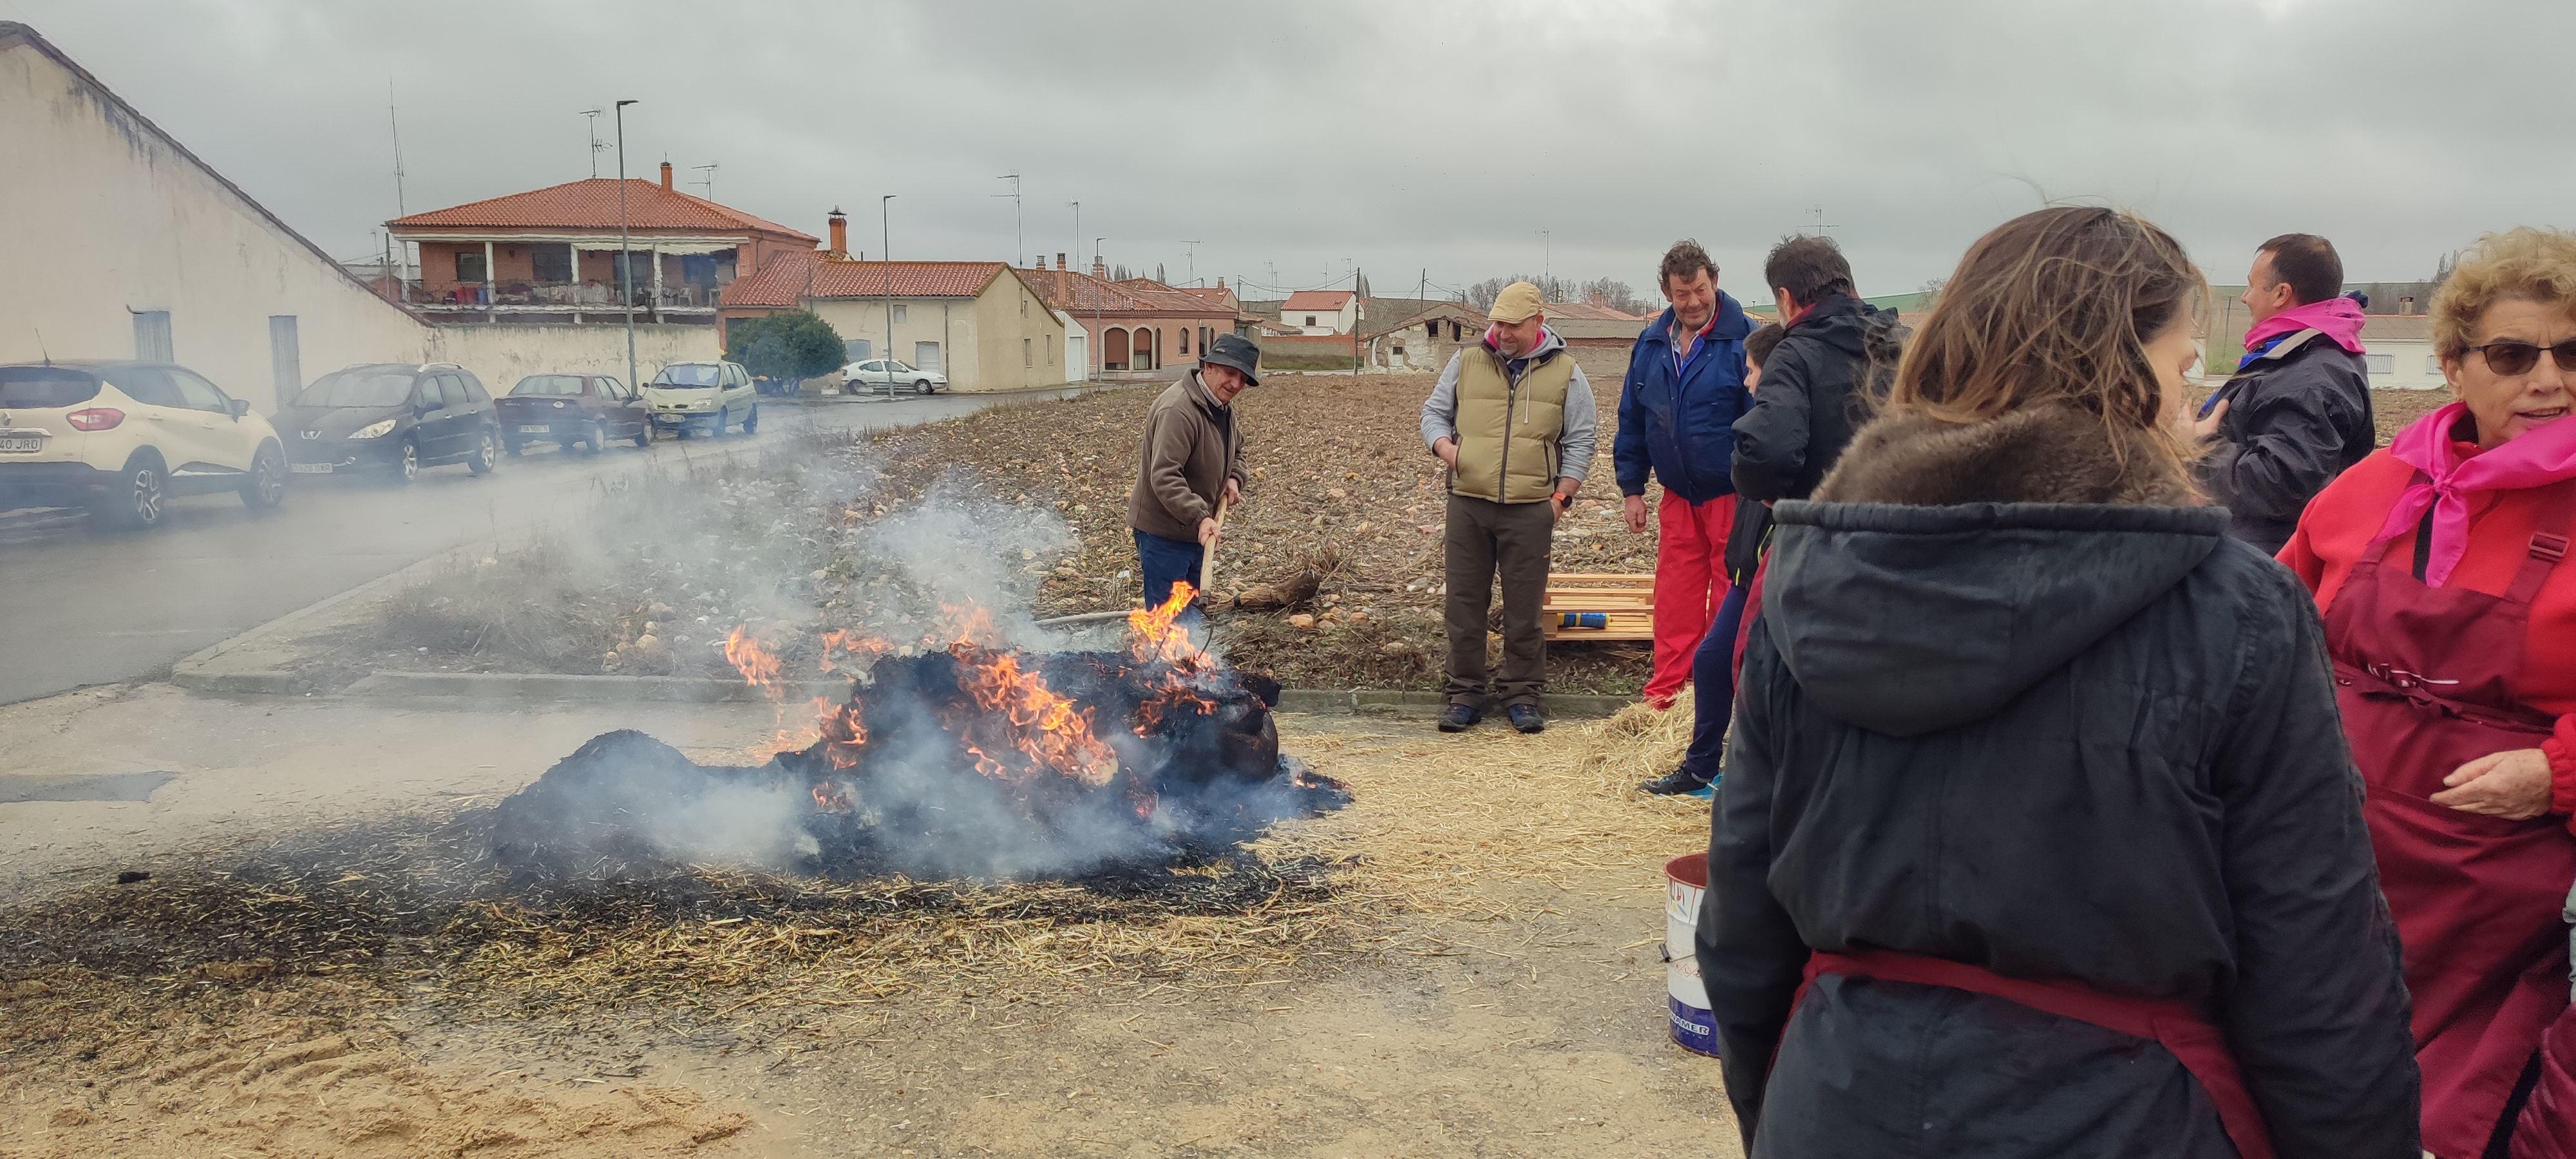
407	467
593	438
644	433
921	386
266	486
724	418
849	387
751	422
134	501
487	455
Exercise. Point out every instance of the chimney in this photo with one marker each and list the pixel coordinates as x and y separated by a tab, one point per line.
840	231
2406	305
1099	269
1220	283
1059	259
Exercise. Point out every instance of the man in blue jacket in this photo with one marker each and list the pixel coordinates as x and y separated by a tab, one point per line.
1677	411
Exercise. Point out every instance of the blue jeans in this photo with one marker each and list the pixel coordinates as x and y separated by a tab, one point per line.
1713	688
1161	561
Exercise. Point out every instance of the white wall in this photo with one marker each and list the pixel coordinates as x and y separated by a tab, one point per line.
1341	321
1073	360
2410	364
103	217
501	355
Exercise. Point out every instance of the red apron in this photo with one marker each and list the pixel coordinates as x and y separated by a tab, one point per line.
2421	677
2182	1028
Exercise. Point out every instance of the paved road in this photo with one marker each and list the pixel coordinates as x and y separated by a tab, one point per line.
79	608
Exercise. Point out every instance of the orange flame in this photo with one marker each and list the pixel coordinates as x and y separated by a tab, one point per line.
759	666
1048	729
1156	634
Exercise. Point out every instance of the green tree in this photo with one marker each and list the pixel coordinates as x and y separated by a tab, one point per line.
790	346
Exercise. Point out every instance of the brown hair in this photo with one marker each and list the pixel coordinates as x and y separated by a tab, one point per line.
2307	264
2524	264
1809	267
1759	344
1681	261
2056	308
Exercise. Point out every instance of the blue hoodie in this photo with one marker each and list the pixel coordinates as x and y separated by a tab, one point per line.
1682	425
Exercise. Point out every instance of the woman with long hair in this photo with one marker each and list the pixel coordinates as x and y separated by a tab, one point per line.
2038	836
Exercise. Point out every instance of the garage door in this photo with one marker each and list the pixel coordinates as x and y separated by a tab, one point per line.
925	356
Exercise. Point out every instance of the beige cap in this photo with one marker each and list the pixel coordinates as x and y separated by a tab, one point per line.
1519	302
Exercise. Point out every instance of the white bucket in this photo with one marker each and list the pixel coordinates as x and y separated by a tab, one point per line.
1685	995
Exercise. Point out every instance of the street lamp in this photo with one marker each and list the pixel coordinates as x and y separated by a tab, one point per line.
625	264
885	243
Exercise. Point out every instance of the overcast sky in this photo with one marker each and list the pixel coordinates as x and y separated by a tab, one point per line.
1402	135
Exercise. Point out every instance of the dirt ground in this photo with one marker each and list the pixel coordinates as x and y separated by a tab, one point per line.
1486	979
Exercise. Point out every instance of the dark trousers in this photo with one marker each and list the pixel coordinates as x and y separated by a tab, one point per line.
1486	541
1713	687
1161	561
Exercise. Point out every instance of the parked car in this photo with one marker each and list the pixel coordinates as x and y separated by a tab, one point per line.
690	397
392	418
123	437
886	374
572	410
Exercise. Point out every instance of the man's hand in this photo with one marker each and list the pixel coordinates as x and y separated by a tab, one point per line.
1447	451
2513	784
1558	503
1207	532
2207	427
1233	492
1636	514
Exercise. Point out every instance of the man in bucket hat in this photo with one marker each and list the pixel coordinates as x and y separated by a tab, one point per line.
1512	421
1193	460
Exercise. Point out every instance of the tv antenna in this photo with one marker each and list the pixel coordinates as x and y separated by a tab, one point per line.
707	182
396	122
1819	211
1194	259
597	146
1020	233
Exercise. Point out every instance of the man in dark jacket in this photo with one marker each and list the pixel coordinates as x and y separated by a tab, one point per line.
2014	707
1677	410
1192	464
2297	411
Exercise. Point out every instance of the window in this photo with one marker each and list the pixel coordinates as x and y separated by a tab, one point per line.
469	266
2380	363
2433	364
1185	340
149	385
152	336
548	264
1024	307
285	357
903	313
451	391
1310	319
474	389
198	394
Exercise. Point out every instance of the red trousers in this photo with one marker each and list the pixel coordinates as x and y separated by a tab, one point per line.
1690	581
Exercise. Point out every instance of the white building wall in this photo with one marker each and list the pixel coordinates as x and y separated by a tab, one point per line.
1341	321
502	355
2409	365
1077	348
106	217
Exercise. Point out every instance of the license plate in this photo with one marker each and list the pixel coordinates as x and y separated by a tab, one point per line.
21	445
536	430
310	468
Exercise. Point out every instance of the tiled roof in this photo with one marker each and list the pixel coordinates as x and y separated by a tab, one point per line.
788	276
1079	293
1316	300
1592	311
592	205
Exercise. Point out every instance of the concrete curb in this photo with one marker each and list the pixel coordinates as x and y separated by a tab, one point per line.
250	663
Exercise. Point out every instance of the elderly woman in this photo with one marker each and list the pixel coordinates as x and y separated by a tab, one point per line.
2037	836
2451	620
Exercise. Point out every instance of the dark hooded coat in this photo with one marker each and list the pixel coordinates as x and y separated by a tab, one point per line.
1819	385
2012	704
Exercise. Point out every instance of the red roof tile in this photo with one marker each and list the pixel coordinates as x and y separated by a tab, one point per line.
1316	300
795	274
592	205
1080	293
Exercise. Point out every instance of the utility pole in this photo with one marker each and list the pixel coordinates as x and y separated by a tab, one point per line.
1194	259
1077	240
885	240
396	122
1097	293
597	146
1020	234
625	256
1546	263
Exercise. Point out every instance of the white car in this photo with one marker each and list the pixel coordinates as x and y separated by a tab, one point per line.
122	438
689	397
886	375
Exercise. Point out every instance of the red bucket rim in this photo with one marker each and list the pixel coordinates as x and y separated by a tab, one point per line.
1690	869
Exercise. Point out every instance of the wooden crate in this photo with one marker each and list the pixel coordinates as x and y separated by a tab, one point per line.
1627	600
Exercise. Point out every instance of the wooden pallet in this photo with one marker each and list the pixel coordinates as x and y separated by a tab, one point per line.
1627	600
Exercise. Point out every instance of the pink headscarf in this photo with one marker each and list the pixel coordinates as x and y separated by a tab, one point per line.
2339	319
2544	455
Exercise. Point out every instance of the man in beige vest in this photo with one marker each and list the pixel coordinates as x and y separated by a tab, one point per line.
1513	420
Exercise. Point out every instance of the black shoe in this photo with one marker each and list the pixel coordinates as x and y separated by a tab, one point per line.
1676	783
1526	718
1459	718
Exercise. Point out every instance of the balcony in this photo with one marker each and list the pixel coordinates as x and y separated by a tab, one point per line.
556	302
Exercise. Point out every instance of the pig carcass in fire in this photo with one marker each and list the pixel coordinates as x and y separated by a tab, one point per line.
964	762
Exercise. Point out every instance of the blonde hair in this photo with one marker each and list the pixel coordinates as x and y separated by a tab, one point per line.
2520	264
2056	308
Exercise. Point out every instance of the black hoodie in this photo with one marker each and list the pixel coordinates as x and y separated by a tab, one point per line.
2012	704
1819	384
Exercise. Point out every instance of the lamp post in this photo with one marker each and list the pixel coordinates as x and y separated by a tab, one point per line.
625	268
1097	293
885	242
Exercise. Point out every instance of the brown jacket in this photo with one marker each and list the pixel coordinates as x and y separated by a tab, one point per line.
1188	457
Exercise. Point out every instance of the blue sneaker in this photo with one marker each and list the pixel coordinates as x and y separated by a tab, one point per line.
1680	782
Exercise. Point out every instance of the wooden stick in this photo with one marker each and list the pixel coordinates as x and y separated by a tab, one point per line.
1207	566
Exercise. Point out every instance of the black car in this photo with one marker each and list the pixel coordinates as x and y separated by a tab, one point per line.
392	418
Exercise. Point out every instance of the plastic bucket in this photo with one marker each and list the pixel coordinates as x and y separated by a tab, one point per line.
1685	996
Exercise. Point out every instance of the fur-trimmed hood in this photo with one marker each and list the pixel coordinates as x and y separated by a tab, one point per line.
1943	569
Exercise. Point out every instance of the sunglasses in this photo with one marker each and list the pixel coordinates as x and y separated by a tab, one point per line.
2520	357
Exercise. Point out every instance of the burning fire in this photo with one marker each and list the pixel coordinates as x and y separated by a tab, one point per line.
1047	727
1155	636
